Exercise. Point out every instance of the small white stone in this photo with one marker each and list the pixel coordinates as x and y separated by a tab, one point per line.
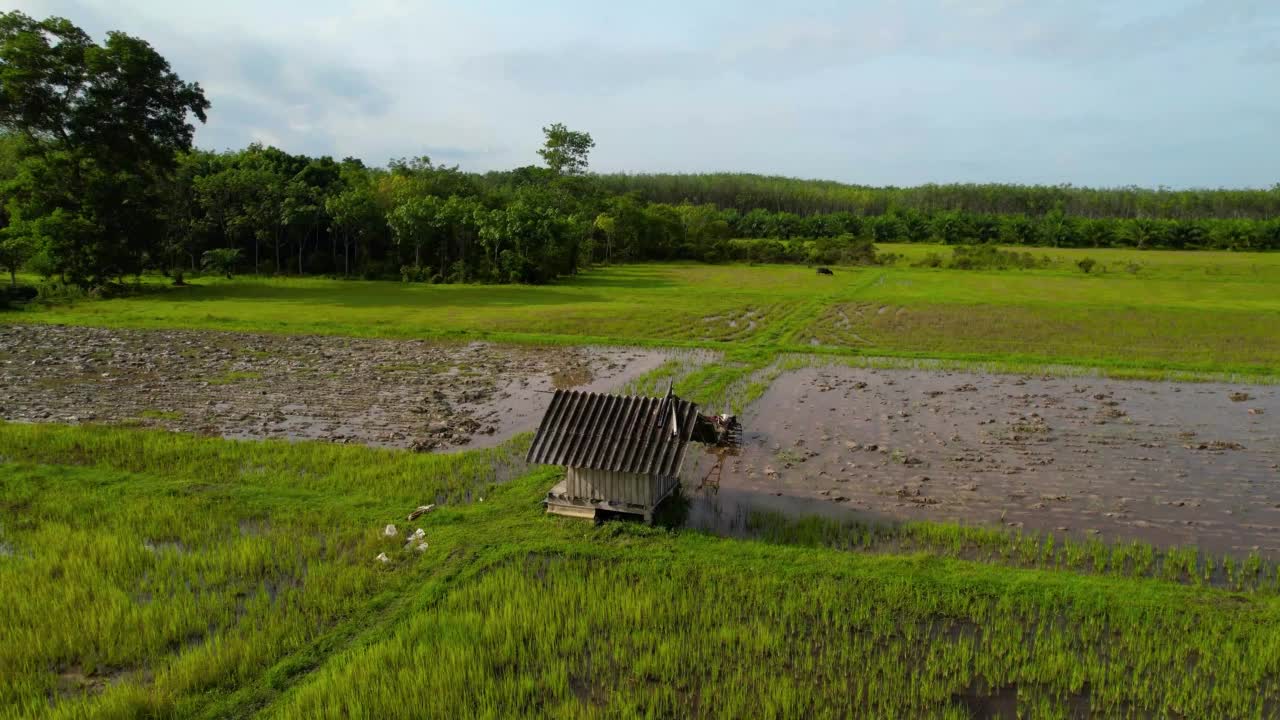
382	558
390	531
422	547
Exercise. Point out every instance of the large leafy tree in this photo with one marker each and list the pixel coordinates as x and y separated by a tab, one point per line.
565	151
104	124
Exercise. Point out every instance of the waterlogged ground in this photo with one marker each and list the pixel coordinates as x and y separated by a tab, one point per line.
391	393
1167	463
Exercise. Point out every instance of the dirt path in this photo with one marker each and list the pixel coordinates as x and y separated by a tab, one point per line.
408	394
1167	463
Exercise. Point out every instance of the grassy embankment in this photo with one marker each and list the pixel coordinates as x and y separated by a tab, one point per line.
148	573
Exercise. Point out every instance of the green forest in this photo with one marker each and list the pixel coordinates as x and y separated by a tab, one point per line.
100	181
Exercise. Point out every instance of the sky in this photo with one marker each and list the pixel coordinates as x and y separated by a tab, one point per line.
1178	93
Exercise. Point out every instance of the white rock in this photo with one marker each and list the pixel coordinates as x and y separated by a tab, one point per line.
422	547
417	535
382	558
390	531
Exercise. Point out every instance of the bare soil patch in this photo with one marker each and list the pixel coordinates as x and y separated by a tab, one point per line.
1167	463
391	393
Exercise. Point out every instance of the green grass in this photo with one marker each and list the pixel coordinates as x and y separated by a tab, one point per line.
1177	313
145	573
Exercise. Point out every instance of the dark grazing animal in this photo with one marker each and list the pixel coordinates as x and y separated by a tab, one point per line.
825	271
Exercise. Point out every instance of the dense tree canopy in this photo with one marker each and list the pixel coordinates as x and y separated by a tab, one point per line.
101	127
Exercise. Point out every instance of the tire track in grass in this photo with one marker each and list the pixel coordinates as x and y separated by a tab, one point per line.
789	330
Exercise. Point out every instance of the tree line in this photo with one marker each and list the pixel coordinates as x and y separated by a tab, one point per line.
745	192
99	180
1052	229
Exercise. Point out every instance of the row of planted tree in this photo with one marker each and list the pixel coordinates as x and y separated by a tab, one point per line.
1054	228
745	192
99	180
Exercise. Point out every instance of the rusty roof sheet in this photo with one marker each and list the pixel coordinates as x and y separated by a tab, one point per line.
614	432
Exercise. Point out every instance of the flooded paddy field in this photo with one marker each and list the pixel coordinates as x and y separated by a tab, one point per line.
389	393
1164	463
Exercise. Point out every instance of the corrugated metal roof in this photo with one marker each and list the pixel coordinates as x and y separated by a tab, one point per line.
614	432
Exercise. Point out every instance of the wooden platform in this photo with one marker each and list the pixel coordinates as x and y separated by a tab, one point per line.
559	503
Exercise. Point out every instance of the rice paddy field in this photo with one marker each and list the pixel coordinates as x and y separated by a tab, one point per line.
146	572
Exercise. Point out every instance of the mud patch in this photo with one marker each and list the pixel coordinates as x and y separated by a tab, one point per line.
1166	463
390	393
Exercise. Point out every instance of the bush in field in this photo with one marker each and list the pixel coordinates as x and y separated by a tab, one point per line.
930	259
990	257
414	273
1086	265
717	250
766	251
858	251
842	250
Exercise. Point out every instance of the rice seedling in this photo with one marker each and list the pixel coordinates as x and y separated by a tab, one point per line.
614	632
146	573
1182	565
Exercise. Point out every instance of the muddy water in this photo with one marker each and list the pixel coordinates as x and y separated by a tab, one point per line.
391	393
1168	463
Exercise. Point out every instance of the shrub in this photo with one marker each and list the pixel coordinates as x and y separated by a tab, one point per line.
1086	265
990	257
857	250
930	259
414	273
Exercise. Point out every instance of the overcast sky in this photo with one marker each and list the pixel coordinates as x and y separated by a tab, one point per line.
1090	92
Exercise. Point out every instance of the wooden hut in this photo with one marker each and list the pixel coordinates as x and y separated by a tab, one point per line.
620	453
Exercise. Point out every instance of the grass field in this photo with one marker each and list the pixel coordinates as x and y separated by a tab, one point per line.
155	574
1206	312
